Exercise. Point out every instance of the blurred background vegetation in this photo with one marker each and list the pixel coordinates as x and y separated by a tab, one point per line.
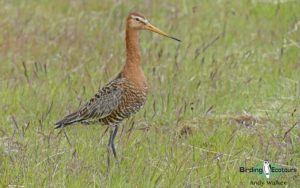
227	96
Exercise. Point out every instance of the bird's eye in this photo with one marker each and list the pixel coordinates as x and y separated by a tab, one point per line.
136	19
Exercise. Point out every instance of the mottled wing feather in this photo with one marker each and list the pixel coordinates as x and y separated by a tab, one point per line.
101	105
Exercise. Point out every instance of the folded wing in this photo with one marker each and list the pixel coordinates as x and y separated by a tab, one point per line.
101	105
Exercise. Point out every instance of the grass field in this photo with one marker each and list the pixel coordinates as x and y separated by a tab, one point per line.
227	96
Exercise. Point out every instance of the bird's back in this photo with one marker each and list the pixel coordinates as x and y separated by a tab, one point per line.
110	105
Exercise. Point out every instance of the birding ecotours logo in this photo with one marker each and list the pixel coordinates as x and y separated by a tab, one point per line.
267	170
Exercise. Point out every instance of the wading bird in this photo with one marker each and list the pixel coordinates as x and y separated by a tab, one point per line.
125	94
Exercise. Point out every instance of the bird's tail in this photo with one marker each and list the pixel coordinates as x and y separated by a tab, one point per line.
68	120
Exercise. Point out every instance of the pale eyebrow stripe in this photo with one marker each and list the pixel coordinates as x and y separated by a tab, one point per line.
142	19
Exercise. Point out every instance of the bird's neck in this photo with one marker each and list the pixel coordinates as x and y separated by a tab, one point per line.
132	48
132	69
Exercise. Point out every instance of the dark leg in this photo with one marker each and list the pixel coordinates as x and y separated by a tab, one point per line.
114	133
111	145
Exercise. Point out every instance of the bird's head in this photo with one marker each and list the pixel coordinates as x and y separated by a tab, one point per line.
138	21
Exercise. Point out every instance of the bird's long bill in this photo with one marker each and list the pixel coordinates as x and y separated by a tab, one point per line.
156	30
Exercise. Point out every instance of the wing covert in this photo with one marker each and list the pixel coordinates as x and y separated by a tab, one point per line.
102	104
